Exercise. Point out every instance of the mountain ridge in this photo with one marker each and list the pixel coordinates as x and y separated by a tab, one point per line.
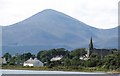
51	10
55	29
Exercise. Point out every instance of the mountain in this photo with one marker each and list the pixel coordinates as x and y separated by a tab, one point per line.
52	29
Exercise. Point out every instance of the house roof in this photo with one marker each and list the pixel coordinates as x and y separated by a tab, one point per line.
57	58
32	61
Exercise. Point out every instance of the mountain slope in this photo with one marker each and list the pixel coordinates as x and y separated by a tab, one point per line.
51	29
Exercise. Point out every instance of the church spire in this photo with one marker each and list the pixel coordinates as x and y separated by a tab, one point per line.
91	44
90	49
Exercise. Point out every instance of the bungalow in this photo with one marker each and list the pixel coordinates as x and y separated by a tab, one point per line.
33	62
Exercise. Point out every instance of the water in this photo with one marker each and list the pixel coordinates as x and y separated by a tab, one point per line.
52	73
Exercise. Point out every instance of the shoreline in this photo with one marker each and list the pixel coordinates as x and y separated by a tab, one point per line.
19	71
11	71
63	70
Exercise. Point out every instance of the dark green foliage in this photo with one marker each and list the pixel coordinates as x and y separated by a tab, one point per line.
46	55
112	61
91	45
77	52
43	55
71	59
7	56
26	56
67	62
75	61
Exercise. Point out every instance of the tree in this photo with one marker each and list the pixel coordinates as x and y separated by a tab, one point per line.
112	61
91	45
95	56
67	62
44	54
7	56
26	56
78	52
75	61
61	51
13	60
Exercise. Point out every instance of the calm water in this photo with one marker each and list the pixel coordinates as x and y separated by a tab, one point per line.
52	73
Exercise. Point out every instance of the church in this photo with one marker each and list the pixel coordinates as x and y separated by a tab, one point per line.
89	51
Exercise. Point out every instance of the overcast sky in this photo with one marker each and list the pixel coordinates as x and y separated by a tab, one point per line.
97	13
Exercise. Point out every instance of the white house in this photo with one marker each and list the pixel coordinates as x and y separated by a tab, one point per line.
57	58
86	56
3	61
33	62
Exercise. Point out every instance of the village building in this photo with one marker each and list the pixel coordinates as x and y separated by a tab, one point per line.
86	56
33	62
89	51
57	58
3	61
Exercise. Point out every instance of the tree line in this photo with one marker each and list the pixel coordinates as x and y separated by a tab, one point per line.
71	59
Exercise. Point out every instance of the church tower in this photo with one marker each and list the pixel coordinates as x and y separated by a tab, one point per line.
90	48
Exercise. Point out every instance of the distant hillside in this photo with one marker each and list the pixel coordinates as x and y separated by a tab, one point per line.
52	29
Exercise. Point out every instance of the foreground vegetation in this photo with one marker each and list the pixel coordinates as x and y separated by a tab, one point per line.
70	62
58	68
62	68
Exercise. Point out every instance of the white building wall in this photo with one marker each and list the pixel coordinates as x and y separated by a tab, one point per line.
32	62
27	64
35	64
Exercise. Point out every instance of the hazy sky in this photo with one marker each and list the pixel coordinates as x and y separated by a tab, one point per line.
97	13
